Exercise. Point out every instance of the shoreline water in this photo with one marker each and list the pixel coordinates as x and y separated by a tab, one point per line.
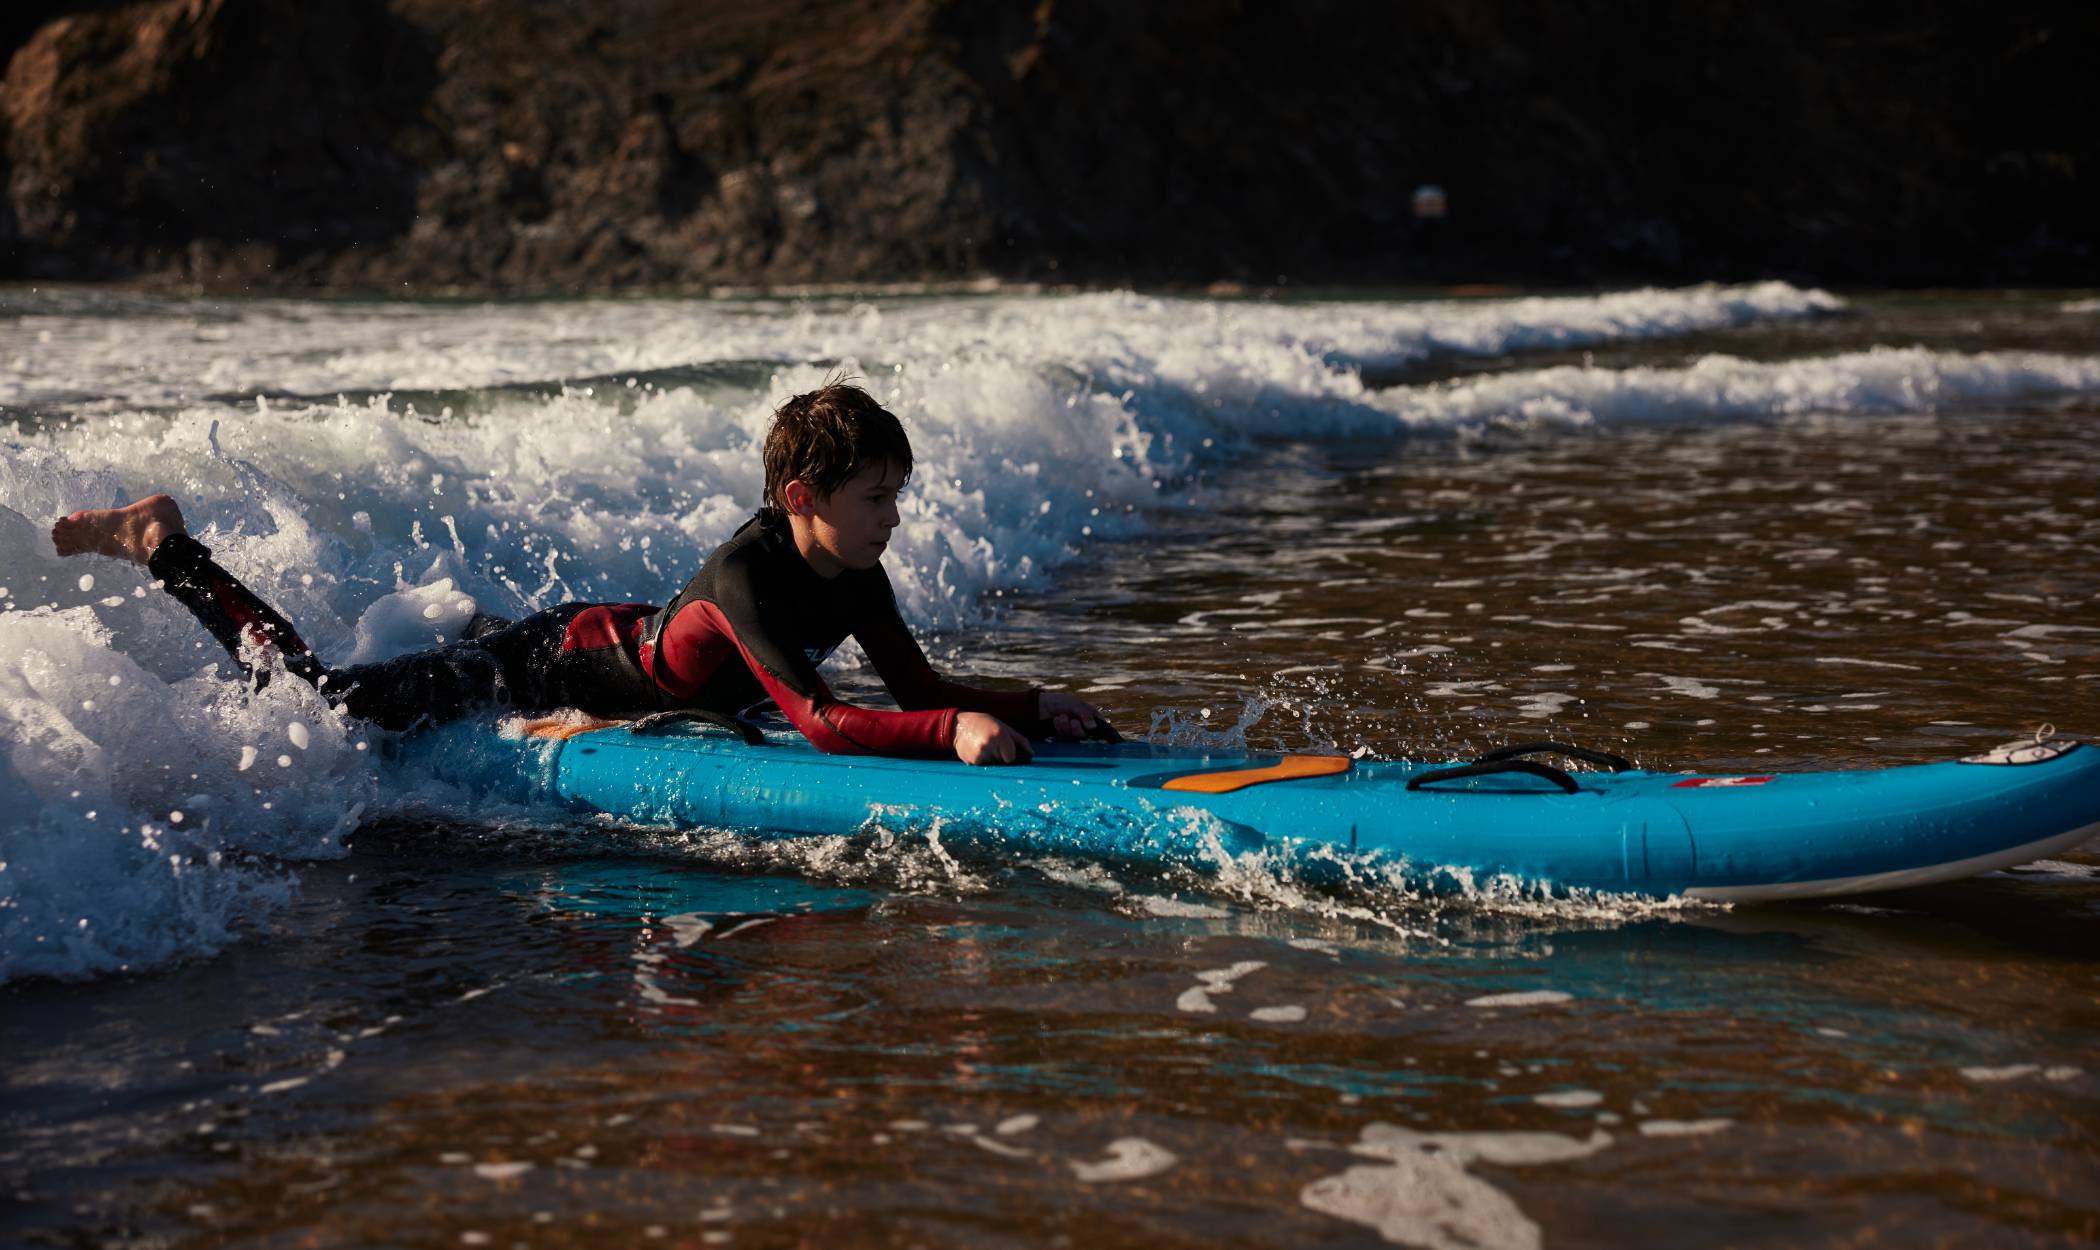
1853	539
1150	410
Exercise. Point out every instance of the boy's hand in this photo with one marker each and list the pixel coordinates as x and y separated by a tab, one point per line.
1069	715
982	739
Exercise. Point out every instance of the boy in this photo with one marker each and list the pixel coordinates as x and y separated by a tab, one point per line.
767	607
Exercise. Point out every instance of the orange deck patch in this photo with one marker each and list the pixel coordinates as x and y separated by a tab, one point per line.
1289	768
560	730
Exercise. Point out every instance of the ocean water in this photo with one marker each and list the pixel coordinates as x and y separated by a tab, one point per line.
261	988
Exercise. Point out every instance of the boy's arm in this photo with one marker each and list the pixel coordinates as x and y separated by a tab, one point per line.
912	682
680	663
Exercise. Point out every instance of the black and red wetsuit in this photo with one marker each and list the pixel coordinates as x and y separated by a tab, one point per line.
753	625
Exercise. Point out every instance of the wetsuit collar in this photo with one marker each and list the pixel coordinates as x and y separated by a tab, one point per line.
776	533
770	520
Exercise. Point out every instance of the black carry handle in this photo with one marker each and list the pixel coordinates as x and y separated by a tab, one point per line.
1602	759
658	722
1488	767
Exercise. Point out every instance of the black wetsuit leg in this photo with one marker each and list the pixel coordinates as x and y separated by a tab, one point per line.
229	611
482	624
513	666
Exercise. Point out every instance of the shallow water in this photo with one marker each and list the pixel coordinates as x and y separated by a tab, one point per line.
1416	528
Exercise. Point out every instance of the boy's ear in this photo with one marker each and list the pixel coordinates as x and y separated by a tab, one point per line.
800	499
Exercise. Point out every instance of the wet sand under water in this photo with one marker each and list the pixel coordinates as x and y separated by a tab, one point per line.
557	1053
489	1036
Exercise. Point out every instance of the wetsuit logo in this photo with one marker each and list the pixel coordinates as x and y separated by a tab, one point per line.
817	655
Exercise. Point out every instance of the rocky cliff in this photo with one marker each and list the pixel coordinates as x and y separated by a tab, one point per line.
529	145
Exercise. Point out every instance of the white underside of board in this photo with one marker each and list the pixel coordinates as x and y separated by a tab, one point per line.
1931	874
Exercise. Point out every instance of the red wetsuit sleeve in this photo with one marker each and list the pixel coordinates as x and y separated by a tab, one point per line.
685	654
913	683
696	640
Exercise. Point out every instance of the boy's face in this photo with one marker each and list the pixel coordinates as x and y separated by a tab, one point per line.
850	528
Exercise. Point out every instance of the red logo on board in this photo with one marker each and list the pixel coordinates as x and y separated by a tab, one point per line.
1702	783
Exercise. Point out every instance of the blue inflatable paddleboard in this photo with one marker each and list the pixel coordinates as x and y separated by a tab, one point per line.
1514	815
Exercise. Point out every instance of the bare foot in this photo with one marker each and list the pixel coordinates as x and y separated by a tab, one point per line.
127	533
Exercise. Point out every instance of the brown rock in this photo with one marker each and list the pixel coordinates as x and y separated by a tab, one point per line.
200	135
539	145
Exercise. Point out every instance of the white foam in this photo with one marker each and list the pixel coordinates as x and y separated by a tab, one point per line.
1539	706
412	616
2058	868
1883	380
1683	1128
1422	1194
97	875
155	357
1507	1149
1129	1159
2019	1071
1000	1148
1425	1200
1155	905
1522	998
687	928
1197	998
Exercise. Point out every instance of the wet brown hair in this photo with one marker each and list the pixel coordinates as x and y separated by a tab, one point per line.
827	435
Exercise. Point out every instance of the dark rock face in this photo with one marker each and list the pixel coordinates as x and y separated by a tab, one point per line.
151	136
1576	140
659	142
538	145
